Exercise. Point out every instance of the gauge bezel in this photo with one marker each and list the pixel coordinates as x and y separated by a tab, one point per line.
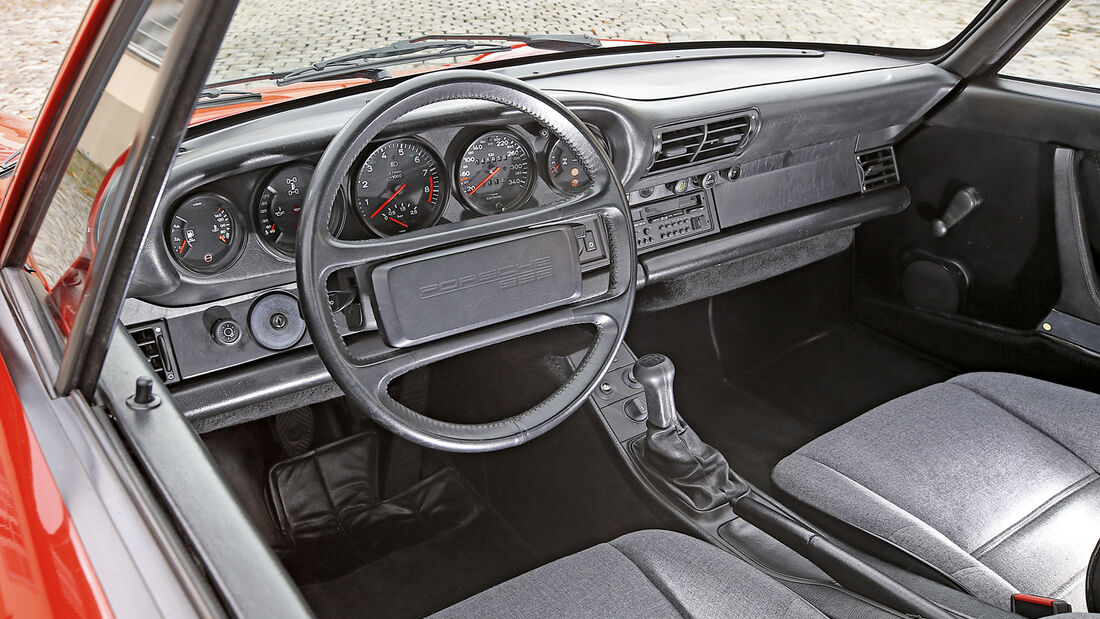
353	177
553	143
236	244
549	177
532	171
261	188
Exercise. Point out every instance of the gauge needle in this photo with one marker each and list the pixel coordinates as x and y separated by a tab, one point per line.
556	168
388	200
222	237
183	246
491	175
399	222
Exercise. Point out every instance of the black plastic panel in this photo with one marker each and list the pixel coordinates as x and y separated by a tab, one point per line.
427	297
787	181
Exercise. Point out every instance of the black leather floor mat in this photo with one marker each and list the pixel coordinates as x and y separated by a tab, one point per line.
415	553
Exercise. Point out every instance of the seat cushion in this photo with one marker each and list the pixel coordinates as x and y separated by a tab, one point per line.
990	477
642	574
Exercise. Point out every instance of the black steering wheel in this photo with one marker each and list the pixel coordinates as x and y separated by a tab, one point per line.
441	292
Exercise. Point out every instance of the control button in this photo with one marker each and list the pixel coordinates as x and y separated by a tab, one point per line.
606	391
628	378
645	192
635	409
709	180
226	332
679	186
589	241
734	173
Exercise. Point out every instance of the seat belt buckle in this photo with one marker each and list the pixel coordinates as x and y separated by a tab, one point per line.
1035	606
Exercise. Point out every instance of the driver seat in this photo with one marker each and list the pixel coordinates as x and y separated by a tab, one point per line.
641	574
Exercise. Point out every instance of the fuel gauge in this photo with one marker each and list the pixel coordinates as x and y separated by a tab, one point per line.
202	233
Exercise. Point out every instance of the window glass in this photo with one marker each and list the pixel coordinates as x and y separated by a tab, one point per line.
1066	50
66	229
270	37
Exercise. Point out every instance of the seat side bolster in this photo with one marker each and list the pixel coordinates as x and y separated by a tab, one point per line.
837	494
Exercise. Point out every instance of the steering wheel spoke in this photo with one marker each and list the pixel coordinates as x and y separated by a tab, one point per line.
484	281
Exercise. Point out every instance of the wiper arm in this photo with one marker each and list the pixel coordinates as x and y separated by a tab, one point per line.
7	166
371	63
215	97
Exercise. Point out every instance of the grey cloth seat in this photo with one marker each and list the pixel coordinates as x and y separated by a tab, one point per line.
642	574
989	477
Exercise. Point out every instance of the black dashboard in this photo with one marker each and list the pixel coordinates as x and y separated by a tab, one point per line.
722	153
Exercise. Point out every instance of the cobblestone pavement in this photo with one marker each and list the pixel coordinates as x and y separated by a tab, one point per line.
36	34
269	34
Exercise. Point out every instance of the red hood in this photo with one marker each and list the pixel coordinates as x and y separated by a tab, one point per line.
276	94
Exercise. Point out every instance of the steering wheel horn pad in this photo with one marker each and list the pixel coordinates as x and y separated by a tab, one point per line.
401	276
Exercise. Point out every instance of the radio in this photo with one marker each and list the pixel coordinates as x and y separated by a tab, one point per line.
672	220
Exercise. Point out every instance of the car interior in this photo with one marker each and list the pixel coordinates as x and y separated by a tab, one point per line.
708	331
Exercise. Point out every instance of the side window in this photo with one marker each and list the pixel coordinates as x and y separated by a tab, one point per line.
65	240
1066	50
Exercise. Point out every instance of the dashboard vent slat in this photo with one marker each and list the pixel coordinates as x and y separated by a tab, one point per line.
152	340
699	141
877	168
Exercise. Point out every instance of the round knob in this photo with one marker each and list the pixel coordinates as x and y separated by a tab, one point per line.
226	331
635	410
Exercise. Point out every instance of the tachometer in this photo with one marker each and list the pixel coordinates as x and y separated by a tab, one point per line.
494	173
399	188
203	234
280	205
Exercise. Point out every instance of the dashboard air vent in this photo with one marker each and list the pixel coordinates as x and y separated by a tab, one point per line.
700	140
877	168
152	339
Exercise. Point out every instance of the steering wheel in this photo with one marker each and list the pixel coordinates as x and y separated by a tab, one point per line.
437	293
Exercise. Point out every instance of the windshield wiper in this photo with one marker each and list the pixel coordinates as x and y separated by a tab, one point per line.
216	97
7	166
371	63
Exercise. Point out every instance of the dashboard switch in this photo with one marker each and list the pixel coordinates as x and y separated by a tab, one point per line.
226	332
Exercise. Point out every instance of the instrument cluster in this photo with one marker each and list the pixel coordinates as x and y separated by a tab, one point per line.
397	186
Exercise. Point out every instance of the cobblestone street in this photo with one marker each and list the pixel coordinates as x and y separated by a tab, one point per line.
269	35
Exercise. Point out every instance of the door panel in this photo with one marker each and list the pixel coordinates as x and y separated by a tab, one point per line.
1028	150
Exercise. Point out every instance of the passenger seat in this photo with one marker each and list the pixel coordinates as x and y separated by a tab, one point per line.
991	478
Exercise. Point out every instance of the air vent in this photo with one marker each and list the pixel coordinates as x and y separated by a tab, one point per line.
877	168
152	339
700	140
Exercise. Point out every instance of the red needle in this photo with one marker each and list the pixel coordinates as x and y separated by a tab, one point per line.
556	168
223	239
399	222
491	175
388	200
431	189
183	246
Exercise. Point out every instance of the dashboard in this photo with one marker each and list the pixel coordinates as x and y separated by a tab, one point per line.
723	154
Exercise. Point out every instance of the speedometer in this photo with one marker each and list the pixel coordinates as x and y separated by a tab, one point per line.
399	188
494	173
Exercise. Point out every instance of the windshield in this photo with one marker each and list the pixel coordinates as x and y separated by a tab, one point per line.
281	36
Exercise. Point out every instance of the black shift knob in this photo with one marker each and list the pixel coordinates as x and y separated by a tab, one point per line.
655	372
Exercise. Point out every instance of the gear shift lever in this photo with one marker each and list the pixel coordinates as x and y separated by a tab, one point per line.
672	455
655	373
